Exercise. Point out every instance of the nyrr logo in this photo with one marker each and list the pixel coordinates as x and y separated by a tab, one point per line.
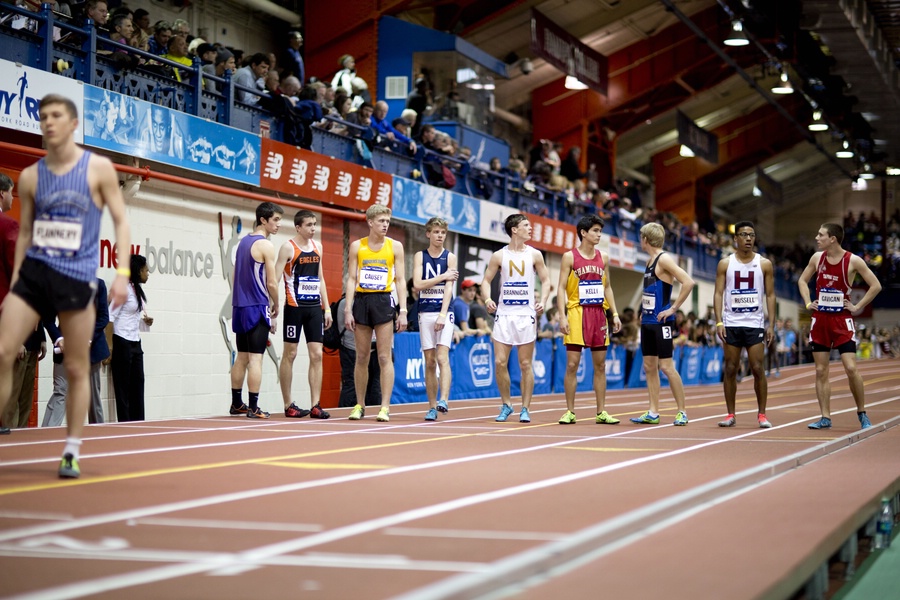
540	369
713	367
415	373
614	368
693	365
481	363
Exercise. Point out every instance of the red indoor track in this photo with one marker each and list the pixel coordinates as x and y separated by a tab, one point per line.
464	507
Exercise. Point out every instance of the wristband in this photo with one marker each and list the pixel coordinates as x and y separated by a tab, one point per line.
808	304
124	271
403	310
443	314
615	315
720	323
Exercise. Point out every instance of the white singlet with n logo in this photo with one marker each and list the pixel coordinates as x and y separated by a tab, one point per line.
516	282
744	293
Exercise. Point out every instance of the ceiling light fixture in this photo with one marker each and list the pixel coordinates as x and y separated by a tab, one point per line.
737	37
572	83
845	151
783	86
685	151
818	123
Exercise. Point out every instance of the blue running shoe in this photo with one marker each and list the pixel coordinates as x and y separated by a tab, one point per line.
524	417
864	421
442	406
646	419
822	423
505	411
431	415
681	418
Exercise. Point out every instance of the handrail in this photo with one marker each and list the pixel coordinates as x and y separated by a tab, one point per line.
145	173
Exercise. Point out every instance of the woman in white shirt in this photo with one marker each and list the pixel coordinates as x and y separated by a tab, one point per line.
128	321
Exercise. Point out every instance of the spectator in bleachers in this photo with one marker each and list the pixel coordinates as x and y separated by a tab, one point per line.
495	165
330	95
343	79
400	125
178	53
121	31
224	62
291	61
449	110
362	116
273	83
98	11
206	52
570	168
418	101
360	92
290	88
384	128
182	28
141	21
252	76
158	43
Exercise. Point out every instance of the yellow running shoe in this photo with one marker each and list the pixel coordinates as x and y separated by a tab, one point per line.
383	415
357	413
568	418
603	418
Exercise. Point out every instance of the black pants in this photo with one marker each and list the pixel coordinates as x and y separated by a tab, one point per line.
348	379
128	379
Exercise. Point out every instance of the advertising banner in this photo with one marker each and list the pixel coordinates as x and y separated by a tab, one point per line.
547	235
409	369
307	174
417	202
472	363
689	367
133	127
21	90
712	364
615	367
584	377
541	364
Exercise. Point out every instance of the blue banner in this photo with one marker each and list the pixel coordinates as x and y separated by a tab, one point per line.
472	364
712	364
409	369
689	367
615	367
417	202
133	127
584	376
541	365
636	377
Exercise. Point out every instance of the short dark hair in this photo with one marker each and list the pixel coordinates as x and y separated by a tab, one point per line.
59	99
742	224
258	58
588	221
265	211
834	230
513	221
161	26
304	214
118	19
6	183
140	14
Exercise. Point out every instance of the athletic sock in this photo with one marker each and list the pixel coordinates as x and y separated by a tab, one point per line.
652	416
73	445
236	397
253	399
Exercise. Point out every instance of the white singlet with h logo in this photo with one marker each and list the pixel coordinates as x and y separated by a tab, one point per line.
744	293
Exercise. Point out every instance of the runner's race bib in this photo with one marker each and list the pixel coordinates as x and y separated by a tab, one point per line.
590	292
830	300
373	278
433	295
56	235
744	301
308	289
515	293
648	303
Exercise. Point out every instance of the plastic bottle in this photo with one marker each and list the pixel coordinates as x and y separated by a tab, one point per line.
884	526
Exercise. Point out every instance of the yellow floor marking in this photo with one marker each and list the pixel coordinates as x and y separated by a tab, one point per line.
308	465
232	463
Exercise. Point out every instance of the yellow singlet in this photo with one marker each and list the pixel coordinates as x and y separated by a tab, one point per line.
375	270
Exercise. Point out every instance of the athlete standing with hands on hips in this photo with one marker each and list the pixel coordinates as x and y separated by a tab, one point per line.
832	322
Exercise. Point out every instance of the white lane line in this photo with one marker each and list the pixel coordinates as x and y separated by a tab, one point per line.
38	516
472	534
227	524
104	584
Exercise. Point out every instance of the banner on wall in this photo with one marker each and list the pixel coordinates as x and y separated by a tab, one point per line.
417	202
129	126
541	365
21	90
546	234
304	173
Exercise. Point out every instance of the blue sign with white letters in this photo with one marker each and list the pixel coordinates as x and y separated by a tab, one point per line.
417	202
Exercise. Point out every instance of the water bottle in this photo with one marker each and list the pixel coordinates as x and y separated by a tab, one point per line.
884	526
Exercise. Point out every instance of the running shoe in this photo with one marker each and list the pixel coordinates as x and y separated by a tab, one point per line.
236	411
864	421
729	421
442	406
524	417
257	413
822	423
568	418
384	415
357	413
763	421
505	411
317	413
431	415
681	418
5	431
68	467
603	418
646	419
295	412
